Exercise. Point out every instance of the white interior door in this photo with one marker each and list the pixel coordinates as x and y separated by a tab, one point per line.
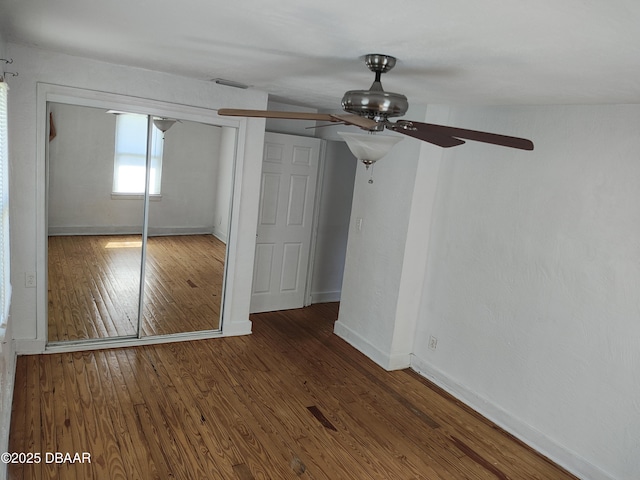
285	223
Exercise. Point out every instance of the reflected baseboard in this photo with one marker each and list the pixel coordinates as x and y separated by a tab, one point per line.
220	235
130	230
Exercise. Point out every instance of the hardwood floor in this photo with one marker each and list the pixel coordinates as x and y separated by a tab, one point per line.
94	285
292	400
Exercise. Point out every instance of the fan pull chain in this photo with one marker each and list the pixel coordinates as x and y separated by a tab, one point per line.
370	173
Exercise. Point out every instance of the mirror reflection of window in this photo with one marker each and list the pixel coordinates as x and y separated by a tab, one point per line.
130	155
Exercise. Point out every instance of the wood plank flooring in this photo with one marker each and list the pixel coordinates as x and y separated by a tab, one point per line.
94	285
292	400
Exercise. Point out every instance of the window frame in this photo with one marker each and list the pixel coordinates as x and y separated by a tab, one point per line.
124	149
5	237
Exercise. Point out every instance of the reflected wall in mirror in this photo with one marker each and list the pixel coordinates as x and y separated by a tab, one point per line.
99	244
95	243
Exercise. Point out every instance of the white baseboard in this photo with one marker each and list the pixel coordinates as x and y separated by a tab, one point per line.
385	360
325	297
559	454
220	235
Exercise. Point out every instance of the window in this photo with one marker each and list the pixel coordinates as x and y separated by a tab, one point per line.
130	155
5	286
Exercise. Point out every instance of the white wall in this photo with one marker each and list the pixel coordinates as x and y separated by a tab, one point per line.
333	223
42	66
80	172
224	184
189	178
523	265
81	177
375	255
532	282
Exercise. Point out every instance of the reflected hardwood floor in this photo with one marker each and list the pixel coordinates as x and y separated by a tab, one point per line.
290	401
93	285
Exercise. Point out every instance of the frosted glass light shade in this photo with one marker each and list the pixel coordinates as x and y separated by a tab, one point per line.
369	148
163	124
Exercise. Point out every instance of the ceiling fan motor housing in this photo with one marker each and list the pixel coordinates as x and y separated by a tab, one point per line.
375	103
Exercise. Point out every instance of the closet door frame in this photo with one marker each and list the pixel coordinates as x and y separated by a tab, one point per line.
76	96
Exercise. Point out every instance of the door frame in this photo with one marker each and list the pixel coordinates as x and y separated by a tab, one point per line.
315	222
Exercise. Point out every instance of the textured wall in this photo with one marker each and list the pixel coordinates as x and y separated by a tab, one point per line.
374	264
333	222
81	166
532	281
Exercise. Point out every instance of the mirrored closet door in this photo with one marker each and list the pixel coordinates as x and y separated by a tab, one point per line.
188	229
136	241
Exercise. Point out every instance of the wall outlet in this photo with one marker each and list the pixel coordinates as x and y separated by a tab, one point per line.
359	224
433	342
30	279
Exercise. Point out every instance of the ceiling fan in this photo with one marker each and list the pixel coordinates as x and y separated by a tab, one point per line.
371	109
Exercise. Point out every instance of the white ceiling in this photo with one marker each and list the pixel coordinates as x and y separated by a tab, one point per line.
449	51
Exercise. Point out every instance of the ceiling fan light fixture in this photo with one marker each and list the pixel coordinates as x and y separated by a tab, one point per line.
163	124
369	148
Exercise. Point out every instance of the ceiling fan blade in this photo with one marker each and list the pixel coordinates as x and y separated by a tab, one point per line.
493	138
324	125
357	120
237	112
429	136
